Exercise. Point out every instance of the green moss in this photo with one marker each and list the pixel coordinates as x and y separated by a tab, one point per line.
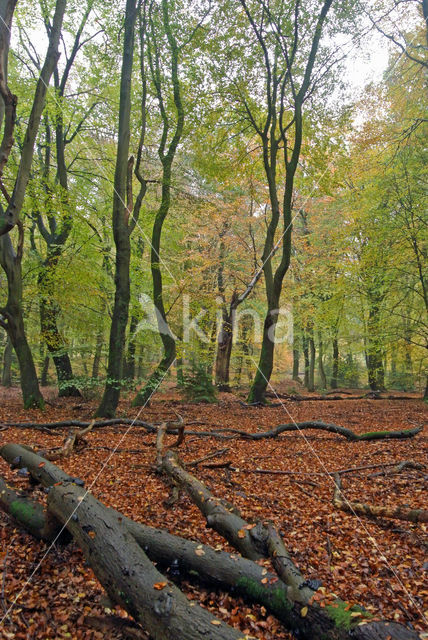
27	513
32	402
276	598
342	617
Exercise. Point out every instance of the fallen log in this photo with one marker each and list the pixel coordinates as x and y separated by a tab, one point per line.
41	470
334	618
113	547
375	511
337	395
127	574
331	428
229	433
30	514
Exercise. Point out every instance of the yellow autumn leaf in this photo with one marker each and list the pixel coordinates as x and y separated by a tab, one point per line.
304	612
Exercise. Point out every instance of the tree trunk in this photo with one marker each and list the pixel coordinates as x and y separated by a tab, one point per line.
306	359
265	365
129	365
335	369
49	312
99	342
311	380
323	377
121	229
127	574
296	361
6	378
224	352
14	321
167	160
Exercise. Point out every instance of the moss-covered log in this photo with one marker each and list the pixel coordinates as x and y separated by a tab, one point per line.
334	619
330	428
28	513
227	433
115	546
128	575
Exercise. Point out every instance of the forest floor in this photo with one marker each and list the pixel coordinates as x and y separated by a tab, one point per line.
380	564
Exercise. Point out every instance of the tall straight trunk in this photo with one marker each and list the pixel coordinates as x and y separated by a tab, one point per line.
296	362
99	341
323	377
335	368
121	229
166	155
305	342
311	381
375	351
244	348
13	321
44	371
6	377
129	365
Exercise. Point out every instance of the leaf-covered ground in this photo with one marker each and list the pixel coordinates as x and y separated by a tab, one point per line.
380	564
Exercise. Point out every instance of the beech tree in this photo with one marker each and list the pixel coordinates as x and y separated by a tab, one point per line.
11	315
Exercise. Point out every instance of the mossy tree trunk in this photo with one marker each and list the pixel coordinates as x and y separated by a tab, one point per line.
122	206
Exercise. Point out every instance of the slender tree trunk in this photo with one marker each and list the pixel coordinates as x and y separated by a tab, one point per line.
45	371
296	361
167	159
14	321
323	377
311	381
296	351
97	355
6	378
305	344
129	366
335	370
121	230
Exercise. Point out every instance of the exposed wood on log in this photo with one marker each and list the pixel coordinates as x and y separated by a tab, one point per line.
159	444
398	468
375	511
